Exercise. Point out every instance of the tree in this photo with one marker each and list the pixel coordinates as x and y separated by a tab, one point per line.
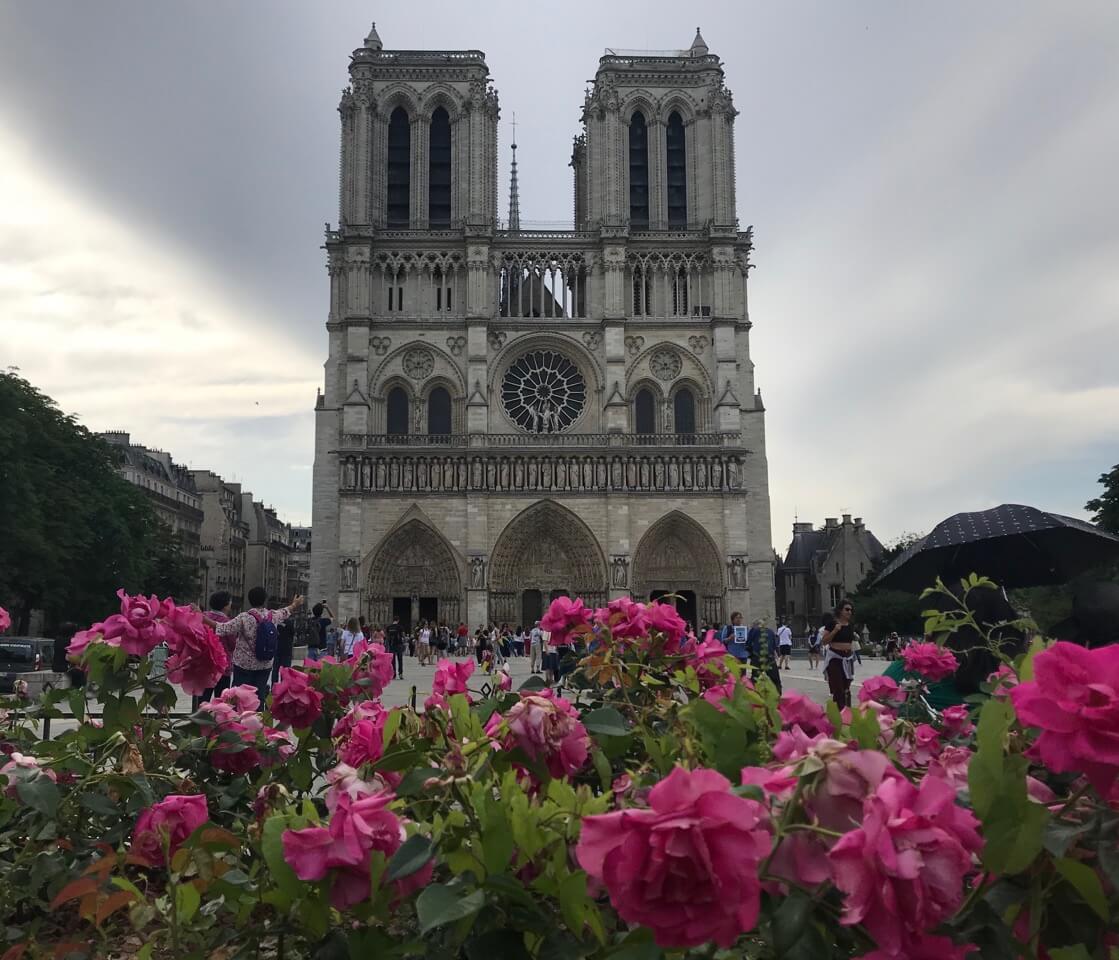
1105	507
72	530
885	611
170	572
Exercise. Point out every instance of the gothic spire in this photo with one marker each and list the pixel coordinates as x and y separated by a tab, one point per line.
514	196
373	40
699	45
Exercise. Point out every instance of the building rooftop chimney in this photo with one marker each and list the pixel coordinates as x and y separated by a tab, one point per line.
830	523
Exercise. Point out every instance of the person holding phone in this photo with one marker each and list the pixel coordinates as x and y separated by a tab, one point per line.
839	653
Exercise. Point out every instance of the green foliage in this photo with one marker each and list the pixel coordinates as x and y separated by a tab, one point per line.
1105	507
72	530
885	611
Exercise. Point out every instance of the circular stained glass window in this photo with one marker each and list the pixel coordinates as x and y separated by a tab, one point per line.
543	392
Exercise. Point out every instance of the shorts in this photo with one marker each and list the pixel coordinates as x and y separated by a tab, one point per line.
785	649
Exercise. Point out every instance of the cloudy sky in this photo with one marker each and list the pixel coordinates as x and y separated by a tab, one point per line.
933	189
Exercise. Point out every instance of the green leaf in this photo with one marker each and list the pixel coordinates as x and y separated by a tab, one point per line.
1060	836
1076	952
573	900
413	783
560	945
535	682
637	951
186	902
606	722
497	943
76	699
272	848
299	769
412	855
39	793
602	768
439	905
789	921
100	804
1086	882
392	724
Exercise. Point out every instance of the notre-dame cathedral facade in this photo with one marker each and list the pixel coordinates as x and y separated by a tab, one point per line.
510	414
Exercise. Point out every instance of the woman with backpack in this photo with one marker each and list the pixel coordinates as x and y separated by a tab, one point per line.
350	636
257	637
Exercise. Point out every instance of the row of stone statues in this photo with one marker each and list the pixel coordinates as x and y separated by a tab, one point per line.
519	473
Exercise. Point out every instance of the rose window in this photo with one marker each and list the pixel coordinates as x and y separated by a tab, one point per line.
665	364
543	392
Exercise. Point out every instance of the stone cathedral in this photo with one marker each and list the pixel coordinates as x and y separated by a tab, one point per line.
513	414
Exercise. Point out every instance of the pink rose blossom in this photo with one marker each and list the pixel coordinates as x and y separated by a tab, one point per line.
372	665
451	677
779	783
951	765
664	618
547	728
563	619
198	659
282	743
921	747
81	640
796	708
343	849
365	743
625	618
504	680
903	869
5	620
881	689
138	629
344	780
294	700
174	818
1074	701
241	698
362	710
924	947
794	743
218	711
956	721
688	867
1002	680
725	691
707	658
21	767
233	748
929	660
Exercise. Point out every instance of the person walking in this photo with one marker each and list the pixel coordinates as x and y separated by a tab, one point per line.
255	633
784	646
322	618
815	640
535	648
423	645
285	647
839	660
350	636
734	637
221	603
394	636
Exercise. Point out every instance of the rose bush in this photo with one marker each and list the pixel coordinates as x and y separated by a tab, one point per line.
667	804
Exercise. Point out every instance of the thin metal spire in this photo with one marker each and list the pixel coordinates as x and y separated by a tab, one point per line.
514	196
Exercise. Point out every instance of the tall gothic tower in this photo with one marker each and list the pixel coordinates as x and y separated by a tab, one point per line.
511	414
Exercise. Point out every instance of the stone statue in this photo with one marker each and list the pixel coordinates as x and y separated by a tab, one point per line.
673	474
561	474
366	474
588	473
379	474
518	474
732	473
491	475
687	473
351	473
349	574
477	573
736	568
616	478
658	473
631	473
448	474
600	473
619	572
394	474
701	473
716	473
503	477
409	474
644	473
476	476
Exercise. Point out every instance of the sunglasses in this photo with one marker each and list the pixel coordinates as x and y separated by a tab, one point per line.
848	610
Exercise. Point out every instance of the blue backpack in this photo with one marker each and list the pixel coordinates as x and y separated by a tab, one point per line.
266	637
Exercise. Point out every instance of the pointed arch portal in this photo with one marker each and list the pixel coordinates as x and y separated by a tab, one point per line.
546	551
414	575
676	556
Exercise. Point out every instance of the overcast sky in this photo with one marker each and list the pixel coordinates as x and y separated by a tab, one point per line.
933	189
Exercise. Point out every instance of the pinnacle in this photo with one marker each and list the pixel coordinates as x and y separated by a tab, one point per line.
699	45
373	39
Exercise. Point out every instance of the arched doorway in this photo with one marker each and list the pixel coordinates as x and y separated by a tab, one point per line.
545	552
413	575
676	556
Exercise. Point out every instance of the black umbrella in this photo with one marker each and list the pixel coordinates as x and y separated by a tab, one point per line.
1014	545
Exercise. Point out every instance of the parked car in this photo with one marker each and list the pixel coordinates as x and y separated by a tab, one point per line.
23	655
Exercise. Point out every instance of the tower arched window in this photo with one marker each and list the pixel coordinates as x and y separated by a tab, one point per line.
399	173
677	171
397	412
644	412
683	411
638	172
439	171
439	411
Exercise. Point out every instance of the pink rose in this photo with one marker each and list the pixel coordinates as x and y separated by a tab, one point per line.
504	681
218	711
294	700
929	660
903	869
282	744
563	619
21	767
174	818
344	780
1002	680
372	668
951	765
1074	701
362	710
881	689
5	620
725	691
451	677
547	728
795	707
343	849
706	658
688	867
664	618
233	748
81	640
794	743
241	698
921	747
365	743
956	720
138	629
624	617
198	659
924	947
